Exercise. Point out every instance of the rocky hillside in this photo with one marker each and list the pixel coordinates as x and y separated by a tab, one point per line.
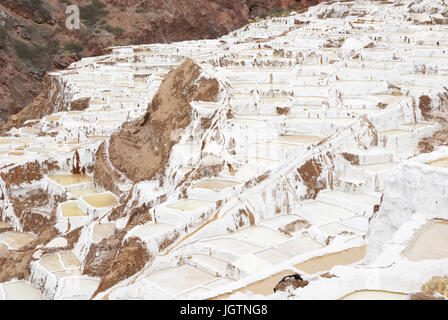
34	39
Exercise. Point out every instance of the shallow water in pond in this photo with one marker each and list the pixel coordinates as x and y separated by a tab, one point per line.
17	240
83	192
101	200
442	163
375	295
21	291
394	132
103	231
264	287
70	179
71	209
179	279
430	242
16	153
215	184
189	205
328	261
302	139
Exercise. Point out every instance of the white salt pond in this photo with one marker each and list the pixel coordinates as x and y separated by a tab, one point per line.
232	245
70	179
16	240
180	279
430	242
262	235
189	205
103	200
328	261
375	295
216	184
71	209
150	229
102	231
299	139
300	246
20	290
441	163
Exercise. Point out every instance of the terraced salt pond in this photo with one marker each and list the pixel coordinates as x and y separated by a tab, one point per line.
441	163
216	184
262	235
20	290
326	262
70	179
375	295
180	279
189	205
16	240
264	287
232	245
104	200
430	242
150	229
83	192
299	139
323	263
103	231
71	209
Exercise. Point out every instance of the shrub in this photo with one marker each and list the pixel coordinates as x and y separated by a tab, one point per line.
117	31
276	12
141	10
73	47
3	33
38	56
90	14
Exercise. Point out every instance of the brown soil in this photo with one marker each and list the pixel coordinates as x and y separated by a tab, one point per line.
295	226
245	216
310	174
429	144
16	263
142	148
73	237
283	111
80	104
425	106
101	257
128	260
328	275
104	175
352	158
32	171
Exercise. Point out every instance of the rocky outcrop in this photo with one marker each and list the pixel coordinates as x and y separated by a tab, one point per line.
51	99
142	148
128	260
437	285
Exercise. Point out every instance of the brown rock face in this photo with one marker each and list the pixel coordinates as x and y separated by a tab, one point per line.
45	103
428	144
436	285
15	263
142	148
128	260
